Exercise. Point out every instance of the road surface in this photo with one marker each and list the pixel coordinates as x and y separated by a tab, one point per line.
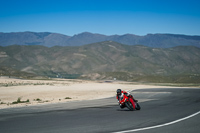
158	107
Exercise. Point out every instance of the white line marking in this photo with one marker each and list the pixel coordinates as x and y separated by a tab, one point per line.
162	125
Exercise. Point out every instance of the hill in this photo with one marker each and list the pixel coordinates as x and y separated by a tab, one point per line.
53	39
105	60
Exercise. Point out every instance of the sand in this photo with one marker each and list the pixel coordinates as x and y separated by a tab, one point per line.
34	92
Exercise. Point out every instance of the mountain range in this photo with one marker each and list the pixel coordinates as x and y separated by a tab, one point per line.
54	39
103	60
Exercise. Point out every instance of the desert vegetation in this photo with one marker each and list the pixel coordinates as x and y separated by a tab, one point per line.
108	59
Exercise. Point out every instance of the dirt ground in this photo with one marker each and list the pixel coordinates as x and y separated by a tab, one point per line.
19	92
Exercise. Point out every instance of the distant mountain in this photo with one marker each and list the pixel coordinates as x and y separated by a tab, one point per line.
104	60
33	38
53	39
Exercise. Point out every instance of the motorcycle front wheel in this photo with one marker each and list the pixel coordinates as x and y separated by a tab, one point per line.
129	105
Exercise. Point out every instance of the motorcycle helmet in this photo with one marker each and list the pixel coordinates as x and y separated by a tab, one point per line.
119	91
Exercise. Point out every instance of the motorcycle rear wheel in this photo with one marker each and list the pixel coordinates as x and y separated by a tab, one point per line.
137	107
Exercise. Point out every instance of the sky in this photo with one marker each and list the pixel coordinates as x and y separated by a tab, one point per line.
109	17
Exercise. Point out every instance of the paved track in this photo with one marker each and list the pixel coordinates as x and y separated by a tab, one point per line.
159	106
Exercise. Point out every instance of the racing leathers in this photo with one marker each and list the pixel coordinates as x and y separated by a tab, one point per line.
120	97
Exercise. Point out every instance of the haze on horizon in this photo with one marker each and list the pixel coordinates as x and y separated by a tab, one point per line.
107	17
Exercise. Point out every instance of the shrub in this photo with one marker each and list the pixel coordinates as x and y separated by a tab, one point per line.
19	101
37	100
68	98
2	103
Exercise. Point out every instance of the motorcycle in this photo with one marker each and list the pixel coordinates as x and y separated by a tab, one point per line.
130	103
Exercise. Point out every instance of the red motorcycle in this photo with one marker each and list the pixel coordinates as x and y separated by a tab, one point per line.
130	103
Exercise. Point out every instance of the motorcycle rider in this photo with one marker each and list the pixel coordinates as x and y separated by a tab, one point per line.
120	94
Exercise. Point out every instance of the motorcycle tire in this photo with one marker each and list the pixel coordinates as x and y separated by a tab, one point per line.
129	105
137	107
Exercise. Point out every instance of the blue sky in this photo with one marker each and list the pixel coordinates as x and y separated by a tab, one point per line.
107	17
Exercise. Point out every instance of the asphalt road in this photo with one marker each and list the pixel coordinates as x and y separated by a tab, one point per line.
159	106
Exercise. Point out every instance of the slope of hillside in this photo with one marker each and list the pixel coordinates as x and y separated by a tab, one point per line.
103	60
